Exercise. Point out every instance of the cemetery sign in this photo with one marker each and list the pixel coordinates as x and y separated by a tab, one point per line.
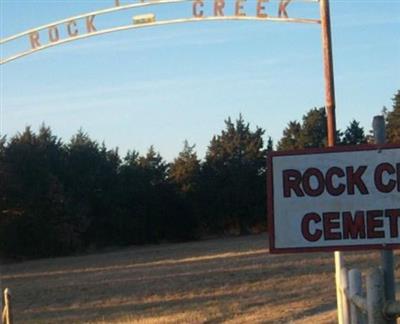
334	199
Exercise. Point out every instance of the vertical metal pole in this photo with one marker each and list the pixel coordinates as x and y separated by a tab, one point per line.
338	266
331	119
387	259
7	316
328	71
375	297
355	288
344	290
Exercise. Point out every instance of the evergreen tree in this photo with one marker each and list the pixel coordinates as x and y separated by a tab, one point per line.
291	139
158	195
354	134
233	177
270	144
311	133
3	143
154	166
33	221
133	187
184	174
90	184
393	121
314	129
184	171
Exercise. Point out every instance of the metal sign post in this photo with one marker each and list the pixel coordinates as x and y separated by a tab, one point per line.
331	120
328	72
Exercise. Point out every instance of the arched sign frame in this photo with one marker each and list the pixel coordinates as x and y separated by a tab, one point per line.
73	33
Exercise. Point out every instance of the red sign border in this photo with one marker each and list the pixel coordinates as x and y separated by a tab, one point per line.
270	199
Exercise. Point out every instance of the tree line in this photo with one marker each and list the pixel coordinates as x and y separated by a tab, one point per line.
60	198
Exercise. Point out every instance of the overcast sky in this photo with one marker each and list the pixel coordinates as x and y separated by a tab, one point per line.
162	85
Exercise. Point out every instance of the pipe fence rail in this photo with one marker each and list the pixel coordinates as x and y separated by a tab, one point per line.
371	307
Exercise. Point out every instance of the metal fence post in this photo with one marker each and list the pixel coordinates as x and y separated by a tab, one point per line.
7	317
355	288
338	265
375	297
387	259
344	281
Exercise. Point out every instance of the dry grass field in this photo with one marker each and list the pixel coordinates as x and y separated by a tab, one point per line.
231	280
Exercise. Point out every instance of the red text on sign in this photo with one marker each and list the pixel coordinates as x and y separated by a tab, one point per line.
350	226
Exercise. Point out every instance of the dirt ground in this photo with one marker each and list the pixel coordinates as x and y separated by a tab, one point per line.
230	280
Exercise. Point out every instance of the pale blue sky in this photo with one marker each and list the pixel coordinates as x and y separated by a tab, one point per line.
166	84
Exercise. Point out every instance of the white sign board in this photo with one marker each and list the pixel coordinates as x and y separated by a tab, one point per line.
345	198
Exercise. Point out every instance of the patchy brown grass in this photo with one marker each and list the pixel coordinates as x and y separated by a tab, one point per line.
231	280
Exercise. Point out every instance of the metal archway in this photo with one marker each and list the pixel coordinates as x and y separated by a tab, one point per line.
67	30
71	33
